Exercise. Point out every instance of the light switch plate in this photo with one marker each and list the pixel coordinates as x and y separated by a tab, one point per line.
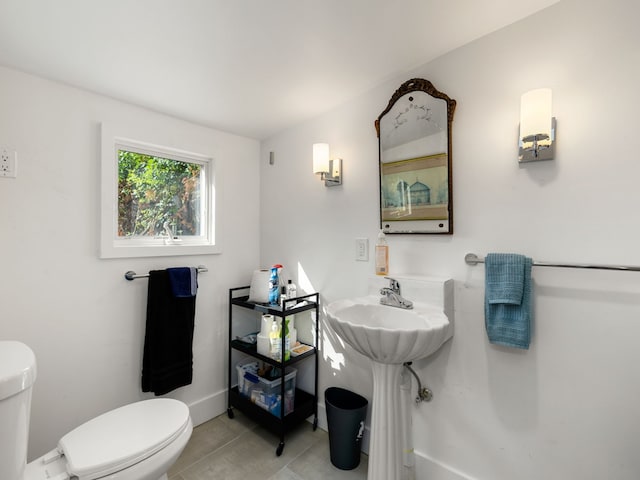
8	163
362	249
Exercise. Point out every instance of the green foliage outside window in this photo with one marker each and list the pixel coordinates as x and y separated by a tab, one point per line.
153	191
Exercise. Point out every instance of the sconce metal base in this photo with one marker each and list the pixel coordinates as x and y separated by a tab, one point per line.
335	168
535	148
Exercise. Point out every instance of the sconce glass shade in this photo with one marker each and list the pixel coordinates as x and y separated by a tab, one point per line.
535	112
537	126
320	158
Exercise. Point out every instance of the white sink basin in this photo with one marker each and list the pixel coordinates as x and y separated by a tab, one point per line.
387	334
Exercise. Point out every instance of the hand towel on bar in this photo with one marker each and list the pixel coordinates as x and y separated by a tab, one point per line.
168	357
184	281
507	307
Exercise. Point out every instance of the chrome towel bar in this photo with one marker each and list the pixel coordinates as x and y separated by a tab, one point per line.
473	259
131	275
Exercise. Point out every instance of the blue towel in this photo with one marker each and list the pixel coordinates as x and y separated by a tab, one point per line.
507	306
184	281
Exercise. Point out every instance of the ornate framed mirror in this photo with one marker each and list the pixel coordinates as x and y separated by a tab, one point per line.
414	144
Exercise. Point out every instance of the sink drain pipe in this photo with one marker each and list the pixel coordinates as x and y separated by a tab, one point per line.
424	393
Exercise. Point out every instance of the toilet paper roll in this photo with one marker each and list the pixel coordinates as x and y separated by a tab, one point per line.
264	347
259	288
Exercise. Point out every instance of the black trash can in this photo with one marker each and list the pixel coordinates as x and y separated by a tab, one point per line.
346	413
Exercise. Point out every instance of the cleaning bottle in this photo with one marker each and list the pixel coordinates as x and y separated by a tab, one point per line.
274	285
289	329
292	290
275	341
382	255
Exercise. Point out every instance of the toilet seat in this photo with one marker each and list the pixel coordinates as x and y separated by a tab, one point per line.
123	437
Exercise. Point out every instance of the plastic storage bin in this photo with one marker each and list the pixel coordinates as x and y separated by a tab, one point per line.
264	392
248	365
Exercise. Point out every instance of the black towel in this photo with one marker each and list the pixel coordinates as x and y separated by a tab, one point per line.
168	356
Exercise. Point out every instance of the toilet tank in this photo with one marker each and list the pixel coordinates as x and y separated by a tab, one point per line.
17	375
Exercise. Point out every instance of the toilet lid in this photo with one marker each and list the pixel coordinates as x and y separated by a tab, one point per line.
123	437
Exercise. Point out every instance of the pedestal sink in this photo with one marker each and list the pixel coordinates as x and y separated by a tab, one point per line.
391	336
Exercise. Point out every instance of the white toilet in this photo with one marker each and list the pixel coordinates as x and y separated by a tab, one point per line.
139	441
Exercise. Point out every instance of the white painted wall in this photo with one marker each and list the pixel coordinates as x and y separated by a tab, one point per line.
568	407
84	321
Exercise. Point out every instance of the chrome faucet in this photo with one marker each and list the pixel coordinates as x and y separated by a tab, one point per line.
391	295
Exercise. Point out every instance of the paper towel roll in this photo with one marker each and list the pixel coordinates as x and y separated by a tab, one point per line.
267	321
259	289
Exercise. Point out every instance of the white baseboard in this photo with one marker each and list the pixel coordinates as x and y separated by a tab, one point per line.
430	469
207	408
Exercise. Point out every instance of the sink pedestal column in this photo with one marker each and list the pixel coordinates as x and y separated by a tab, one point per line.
385	447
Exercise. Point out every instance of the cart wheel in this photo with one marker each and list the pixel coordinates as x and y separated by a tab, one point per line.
280	449
229	412
315	423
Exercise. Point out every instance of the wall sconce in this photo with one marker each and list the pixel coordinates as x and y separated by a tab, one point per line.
537	127
329	170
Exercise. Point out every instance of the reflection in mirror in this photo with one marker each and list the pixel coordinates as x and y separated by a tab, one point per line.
414	135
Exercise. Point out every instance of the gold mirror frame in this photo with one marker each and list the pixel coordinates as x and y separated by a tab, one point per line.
407	207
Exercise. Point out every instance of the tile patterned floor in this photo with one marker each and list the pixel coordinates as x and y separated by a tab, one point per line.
238	449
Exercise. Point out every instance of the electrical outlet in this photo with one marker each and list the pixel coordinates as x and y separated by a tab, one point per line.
8	163
362	249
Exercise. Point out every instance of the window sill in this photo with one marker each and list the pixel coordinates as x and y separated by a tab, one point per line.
129	251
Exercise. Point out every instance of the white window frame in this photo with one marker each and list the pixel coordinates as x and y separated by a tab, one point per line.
113	246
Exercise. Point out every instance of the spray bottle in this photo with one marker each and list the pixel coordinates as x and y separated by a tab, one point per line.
274	285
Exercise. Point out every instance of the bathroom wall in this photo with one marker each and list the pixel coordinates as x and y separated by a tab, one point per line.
84	321
568	407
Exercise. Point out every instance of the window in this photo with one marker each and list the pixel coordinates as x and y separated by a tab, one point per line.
156	200
158	197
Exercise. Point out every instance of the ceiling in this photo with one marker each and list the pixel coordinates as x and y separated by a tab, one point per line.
250	67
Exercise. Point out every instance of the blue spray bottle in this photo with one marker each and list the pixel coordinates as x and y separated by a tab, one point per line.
274	285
